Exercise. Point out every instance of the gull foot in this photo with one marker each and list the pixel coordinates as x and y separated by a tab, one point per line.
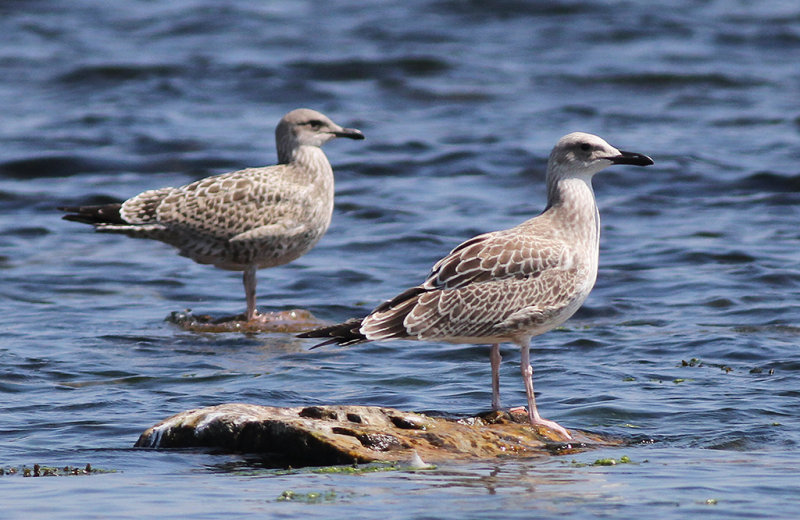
546	428
550	429
561	433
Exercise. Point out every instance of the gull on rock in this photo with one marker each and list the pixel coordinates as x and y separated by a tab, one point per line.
244	220
510	285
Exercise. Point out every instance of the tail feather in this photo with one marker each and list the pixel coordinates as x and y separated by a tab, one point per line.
385	322
94	215
343	334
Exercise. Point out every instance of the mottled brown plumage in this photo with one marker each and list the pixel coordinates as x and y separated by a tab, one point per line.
243	220
510	285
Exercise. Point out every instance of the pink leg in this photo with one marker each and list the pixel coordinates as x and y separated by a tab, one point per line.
495	357
533	413
249	280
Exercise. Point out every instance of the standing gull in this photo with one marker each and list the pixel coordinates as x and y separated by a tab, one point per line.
243	220
510	285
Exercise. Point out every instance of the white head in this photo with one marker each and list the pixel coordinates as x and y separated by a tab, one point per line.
306	127
582	155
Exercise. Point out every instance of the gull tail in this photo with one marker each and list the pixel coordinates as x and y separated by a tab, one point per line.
95	215
343	334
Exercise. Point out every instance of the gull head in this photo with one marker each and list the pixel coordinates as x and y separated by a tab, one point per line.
306	127
582	155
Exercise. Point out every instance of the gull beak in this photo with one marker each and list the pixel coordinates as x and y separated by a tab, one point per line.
637	159
350	133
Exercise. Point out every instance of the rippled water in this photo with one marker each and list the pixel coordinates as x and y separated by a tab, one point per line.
690	338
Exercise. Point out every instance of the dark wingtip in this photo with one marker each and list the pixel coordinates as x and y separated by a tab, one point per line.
343	334
77	218
95	215
318	345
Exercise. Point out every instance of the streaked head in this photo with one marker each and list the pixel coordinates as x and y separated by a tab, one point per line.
306	127
582	155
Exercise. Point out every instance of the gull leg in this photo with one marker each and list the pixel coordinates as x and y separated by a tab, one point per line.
533	413
249	280
495	357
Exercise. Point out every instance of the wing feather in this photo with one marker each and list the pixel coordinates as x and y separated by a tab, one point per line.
224	206
495	256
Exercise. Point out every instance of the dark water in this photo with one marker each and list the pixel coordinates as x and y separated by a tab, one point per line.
461	103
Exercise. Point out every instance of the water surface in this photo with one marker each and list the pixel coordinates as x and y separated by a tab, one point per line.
689	341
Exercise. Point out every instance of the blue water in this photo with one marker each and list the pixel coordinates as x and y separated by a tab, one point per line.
461	103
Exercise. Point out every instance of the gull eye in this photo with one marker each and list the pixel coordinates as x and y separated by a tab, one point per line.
586	147
315	124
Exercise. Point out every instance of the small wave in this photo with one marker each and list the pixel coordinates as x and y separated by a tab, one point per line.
27	232
779	38
447	95
770	182
748	122
517	8
92	74
729	257
360	69
55	166
665	80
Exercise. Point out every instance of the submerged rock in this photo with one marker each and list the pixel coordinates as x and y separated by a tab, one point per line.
328	435
295	320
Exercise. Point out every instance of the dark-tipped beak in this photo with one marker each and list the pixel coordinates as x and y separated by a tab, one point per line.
350	133
634	158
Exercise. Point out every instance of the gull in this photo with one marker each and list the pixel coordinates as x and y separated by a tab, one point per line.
244	220
509	285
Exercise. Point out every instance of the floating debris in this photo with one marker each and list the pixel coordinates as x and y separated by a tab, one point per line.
416	462
610	461
694	362
52	471
313	497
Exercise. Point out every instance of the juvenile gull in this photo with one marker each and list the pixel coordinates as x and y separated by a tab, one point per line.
510	285
243	220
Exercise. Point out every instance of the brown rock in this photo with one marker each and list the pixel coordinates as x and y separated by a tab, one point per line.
295	320
328	435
